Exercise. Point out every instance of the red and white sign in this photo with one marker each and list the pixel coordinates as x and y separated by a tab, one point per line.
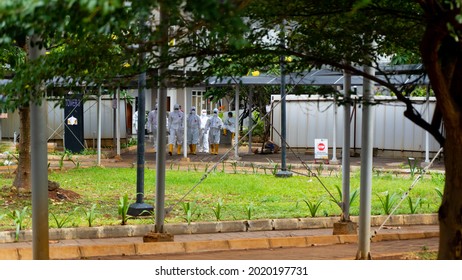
321	149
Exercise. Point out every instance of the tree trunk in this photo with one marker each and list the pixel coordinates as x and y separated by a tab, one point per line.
22	180
450	212
442	57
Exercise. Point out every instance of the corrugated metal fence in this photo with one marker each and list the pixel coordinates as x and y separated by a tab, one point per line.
309	118
56	116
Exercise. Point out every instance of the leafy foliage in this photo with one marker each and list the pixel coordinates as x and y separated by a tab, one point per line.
122	208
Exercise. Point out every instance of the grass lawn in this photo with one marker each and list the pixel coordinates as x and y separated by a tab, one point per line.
224	196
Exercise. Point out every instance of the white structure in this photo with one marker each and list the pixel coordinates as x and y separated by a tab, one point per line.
311	117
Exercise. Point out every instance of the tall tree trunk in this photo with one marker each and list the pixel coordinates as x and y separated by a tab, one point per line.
22	180
450	212
442	57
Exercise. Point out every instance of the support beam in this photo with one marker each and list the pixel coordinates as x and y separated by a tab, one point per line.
39	163
334	134
98	121
364	242
346	148
118	122
283	172
162	125
140	208
345	225
185	118
250	105
236	123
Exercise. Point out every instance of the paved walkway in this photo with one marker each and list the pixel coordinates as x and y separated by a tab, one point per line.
295	157
310	244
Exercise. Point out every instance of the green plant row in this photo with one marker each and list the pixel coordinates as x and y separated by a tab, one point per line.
105	195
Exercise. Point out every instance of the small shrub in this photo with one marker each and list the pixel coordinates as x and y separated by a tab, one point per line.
412	166
249	211
123	209
189	210
18	218
61	221
275	169
388	201
339	199
90	215
313	206
218	209
439	193
414	205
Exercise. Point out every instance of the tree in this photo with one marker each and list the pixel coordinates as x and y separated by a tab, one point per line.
39	19
13	57
441	52
98	43
347	34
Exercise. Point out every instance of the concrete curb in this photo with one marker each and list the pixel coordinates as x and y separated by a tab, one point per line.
59	251
213	227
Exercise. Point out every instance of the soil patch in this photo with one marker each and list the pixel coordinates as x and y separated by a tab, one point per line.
63	195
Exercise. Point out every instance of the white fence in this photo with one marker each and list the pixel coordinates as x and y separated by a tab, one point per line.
309	118
55	130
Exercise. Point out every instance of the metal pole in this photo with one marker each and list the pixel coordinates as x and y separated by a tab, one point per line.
427	134
236	123
114	121
141	135
283	116
283	172
98	137
139	208
39	165
250	105
185	119
366	169
118	121
346	148
334	133
162	128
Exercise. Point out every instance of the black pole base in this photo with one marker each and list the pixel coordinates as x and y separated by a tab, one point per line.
283	174
140	209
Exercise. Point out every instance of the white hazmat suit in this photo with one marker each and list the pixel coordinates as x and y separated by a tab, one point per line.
204	134
152	126
194	126
176	129
214	125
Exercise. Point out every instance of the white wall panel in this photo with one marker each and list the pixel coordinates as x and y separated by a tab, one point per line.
55	120
313	117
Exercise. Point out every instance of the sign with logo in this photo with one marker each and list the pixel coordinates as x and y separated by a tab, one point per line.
73	125
321	149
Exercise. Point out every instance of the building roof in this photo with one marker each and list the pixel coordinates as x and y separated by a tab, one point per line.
397	75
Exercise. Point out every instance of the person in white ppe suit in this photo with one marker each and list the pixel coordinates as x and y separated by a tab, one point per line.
135	123
194	126
176	129
214	125
152	126
204	134
230	124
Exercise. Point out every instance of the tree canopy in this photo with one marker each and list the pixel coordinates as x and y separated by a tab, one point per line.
100	41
